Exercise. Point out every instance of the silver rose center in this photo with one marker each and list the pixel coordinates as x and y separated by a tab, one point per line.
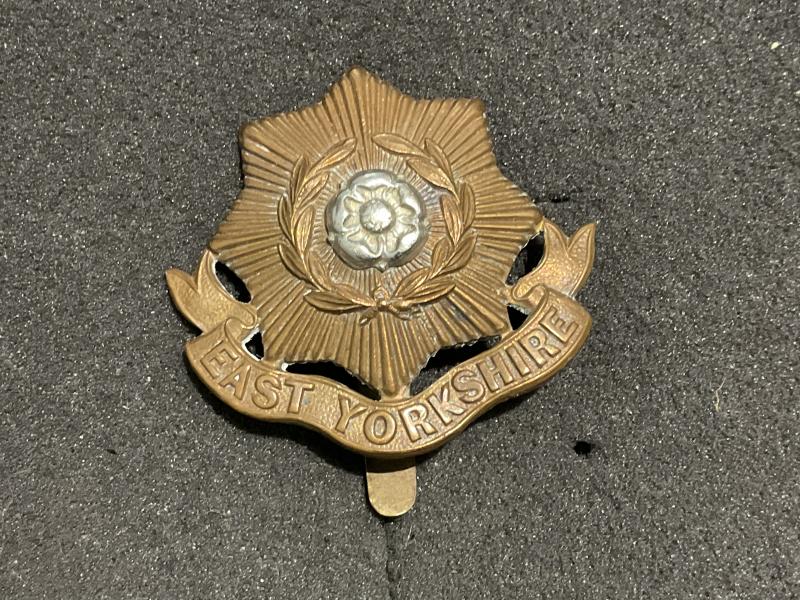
377	220
377	216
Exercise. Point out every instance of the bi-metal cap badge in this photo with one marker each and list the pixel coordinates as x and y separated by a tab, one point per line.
373	230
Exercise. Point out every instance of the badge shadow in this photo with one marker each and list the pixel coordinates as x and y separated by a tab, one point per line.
494	413
447	359
331	453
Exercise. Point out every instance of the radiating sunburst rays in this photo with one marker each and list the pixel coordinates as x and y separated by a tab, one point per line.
386	352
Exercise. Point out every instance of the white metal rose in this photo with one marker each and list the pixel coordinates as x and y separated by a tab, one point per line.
377	220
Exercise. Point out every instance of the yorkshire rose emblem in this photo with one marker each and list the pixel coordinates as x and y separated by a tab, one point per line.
373	230
377	221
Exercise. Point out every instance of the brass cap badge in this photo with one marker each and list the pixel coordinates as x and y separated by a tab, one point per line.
373	230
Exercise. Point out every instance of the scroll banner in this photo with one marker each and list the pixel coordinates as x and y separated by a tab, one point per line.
519	363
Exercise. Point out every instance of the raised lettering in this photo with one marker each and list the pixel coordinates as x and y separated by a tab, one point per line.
218	357
237	380
469	385
298	393
518	360
348	408
537	346
267	388
379	427
443	407
414	419
558	326
495	374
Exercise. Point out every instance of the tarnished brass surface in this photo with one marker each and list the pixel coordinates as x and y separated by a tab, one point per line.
373	230
391	485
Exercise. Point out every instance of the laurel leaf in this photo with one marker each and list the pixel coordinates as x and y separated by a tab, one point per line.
302	228
318	274
435	150
463	253
431	173
467	204
298	175
410	282
452	218
433	290
397	145
337	154
310	189
354	294
440	252
284	216
291	260
330	302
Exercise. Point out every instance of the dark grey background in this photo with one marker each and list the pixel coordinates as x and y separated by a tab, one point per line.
674	126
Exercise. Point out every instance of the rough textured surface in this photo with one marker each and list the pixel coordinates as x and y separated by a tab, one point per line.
675	127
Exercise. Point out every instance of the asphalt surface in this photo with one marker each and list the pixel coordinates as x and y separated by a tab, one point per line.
674	126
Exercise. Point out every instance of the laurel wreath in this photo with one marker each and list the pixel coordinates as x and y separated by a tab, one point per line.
450	253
